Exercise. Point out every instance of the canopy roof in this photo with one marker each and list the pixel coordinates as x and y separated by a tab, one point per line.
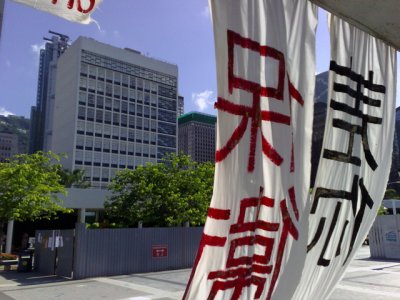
379	18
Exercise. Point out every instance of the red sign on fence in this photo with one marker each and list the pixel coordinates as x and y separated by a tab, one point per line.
159	250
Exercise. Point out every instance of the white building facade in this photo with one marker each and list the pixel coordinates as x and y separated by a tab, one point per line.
114	109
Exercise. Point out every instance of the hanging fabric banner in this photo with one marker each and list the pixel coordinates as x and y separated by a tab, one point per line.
356	155
255	235
72	10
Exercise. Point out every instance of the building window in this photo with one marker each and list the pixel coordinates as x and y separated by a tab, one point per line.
100	102
82	98
124	120
139	110
79	142
100	87
88	144
80	127
91	100
109	89
114	147
131	148
132	82
123	134
117	91
90	114
124	107
166	141
131	122
81	113
106	160
106	145
115	132
92	85
167	116
116	105
83	83
84	69
109	75
146	111
167	104
146	124
97	145
116	117
166	128
79	156
100	74
89	128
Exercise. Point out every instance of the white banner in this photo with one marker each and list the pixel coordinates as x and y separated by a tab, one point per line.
72	10
255	235
356	155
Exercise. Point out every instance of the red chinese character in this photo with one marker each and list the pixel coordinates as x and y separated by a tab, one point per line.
70	5
244	271
254	112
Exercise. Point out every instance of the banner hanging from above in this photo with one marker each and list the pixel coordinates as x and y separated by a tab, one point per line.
72	10
356	155
254	240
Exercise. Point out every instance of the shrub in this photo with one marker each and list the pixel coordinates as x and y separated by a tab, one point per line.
8	256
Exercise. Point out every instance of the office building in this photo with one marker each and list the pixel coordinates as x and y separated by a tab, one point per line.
1	15
181	105
114	109
197	136
8	146
42	113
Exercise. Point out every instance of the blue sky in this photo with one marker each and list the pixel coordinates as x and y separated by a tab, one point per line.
177	31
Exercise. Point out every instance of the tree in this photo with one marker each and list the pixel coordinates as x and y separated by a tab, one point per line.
170	193
391	194
29	184
75	178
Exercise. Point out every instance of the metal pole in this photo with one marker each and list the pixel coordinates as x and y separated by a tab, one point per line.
10	229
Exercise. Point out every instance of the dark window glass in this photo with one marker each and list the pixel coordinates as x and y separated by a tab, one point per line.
166	141
166	128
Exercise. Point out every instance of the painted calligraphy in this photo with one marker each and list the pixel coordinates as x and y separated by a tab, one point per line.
356	110
71	3
254	112
251	269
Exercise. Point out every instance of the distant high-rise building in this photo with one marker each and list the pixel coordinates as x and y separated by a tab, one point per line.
181	105
42	113
8	145
197	136
1	15
114	109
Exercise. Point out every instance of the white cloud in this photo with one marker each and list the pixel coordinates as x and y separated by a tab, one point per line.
4	112
206	12
116	33
36	47
203	99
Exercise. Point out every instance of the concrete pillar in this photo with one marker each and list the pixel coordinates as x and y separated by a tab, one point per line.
10	231
81	215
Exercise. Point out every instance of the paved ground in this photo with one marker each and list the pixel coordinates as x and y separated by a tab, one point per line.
365	279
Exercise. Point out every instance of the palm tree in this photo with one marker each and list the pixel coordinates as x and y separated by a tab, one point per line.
75	178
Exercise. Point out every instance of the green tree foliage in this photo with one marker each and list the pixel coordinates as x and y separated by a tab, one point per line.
75	178
28	188
391	194
170	193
